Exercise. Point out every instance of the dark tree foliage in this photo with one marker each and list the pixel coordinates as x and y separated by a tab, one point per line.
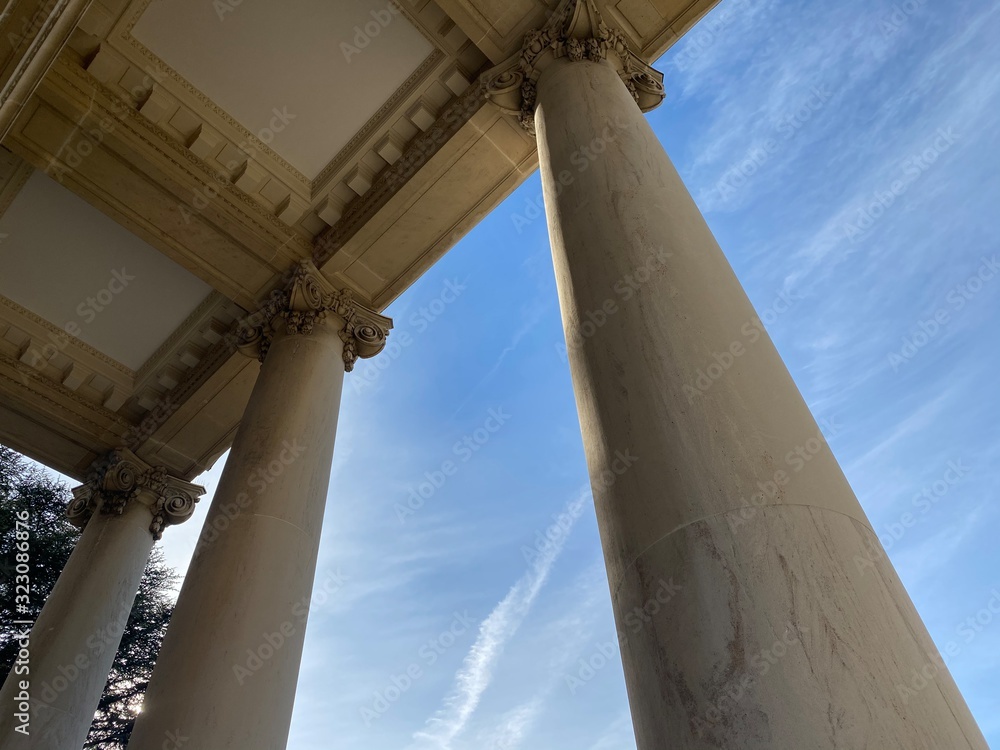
26	486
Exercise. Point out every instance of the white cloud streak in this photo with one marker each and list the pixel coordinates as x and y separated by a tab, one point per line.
476	672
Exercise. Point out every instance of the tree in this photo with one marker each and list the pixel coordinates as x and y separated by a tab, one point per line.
26	486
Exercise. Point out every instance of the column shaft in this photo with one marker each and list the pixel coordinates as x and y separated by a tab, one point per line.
227	672
75	638
773	636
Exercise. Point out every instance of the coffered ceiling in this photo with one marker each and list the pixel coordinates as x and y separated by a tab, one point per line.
303	76
209	146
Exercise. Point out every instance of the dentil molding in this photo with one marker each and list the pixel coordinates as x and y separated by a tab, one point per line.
125	479
307	299
575	32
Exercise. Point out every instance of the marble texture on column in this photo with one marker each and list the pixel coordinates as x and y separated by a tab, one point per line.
778	573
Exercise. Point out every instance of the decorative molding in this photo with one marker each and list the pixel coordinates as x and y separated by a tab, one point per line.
60	334
167	404
575	32
305	301
123	478
376	121
164	146
391	179
348	153
33	382
116	57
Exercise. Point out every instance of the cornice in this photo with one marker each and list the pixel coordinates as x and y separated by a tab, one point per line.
60	333
28	375
137	9
390	180
169	149
180	335
376	121
175	398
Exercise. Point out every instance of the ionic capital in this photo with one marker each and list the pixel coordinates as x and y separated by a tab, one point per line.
128	479
307	300
574	33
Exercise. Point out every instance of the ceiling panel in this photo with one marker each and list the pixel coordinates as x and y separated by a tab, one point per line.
68	263
302	75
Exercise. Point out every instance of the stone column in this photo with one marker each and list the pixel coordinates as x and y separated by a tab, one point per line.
755	606
74	640
227	672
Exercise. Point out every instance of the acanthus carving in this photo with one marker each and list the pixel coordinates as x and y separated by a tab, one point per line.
307	300
577	33
126	479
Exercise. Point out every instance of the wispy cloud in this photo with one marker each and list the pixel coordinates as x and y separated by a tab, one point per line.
476	672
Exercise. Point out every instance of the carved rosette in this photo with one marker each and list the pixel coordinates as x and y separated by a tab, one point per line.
126	479
307	300
575	32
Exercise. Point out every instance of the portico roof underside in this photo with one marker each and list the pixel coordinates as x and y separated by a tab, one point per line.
354	134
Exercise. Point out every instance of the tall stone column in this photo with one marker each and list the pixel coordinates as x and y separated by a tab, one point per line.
227	672
755	606
74	640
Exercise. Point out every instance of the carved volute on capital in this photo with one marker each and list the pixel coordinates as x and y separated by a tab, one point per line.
307	300
126	478
575	32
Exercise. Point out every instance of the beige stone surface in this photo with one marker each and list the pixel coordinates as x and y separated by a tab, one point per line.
759	537
32	33
226	675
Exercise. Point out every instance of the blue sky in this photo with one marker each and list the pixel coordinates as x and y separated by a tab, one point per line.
846	155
